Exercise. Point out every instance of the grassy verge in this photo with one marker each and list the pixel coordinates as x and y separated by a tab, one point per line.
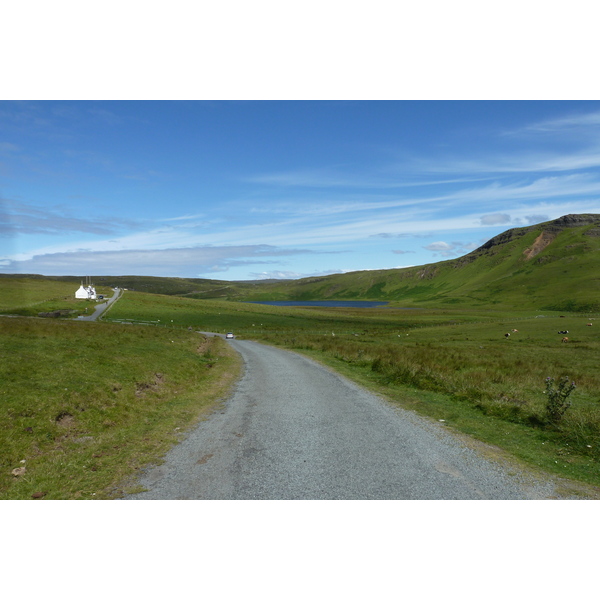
85	405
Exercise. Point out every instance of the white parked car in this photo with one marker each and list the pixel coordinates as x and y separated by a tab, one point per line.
229	336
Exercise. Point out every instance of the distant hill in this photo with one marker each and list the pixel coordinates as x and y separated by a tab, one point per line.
171	286
549	266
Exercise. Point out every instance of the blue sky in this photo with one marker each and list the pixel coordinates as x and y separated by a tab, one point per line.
241	190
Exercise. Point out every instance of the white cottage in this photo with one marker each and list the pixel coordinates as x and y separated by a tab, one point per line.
81	293
86	293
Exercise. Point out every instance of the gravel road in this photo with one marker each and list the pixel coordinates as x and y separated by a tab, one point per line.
295	430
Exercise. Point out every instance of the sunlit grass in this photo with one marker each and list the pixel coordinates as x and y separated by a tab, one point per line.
482	382
84	405
454	365
30	296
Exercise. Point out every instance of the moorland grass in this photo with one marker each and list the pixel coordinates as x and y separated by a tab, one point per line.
454	365
84	405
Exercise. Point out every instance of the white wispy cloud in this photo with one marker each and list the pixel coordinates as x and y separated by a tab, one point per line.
449	249
184	218
21	218
524	203
495	219
516	162
289	233
389	177
504	219
294	274
562	125
168	262
304	178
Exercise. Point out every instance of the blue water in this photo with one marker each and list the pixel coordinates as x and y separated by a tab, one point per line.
328	303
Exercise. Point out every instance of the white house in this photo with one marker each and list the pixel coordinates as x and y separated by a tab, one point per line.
86	293
82	293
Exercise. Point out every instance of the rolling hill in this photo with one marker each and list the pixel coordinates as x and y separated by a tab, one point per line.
553	266
549	266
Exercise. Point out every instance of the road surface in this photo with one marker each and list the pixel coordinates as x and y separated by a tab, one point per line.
100	308
295	430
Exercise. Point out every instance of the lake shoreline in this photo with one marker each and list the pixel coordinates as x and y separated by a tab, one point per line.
328	303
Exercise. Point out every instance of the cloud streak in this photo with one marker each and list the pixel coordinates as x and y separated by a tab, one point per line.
20	218
580	123
448	250
175	262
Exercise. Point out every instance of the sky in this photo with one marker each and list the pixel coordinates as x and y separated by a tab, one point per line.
246	190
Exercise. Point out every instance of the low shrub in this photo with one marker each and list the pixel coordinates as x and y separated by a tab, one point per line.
557	398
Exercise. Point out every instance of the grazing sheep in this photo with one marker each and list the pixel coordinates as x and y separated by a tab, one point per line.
565	339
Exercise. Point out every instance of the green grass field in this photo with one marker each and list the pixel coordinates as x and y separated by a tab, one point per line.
85	404
453	365
27	296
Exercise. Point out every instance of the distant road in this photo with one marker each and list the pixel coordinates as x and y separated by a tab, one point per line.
100	308
295	430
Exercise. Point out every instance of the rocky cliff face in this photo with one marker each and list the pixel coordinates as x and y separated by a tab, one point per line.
571	221
548	231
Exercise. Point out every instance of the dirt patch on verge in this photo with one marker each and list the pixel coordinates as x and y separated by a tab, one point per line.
141	389
204	345
65	420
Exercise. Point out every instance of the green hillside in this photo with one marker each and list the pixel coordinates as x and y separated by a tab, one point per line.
552	265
